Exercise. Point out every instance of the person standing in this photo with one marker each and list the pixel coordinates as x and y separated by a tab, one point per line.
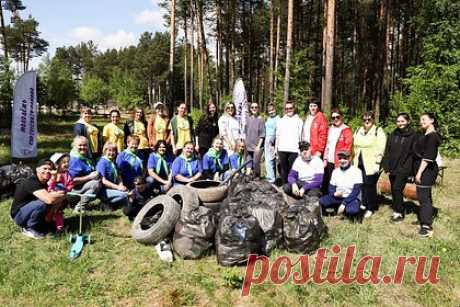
181	127
83	127
229	128
31	200
426	170
288	136
113	133
398	162
207	129
369	145
269	144
138	127
315	129
255	135
157	126
339	138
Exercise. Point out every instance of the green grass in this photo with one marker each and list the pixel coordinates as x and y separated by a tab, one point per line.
115	270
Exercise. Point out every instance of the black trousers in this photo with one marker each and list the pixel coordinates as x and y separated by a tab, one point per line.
426	205
327	178
398	183
286	160
370	192
287	188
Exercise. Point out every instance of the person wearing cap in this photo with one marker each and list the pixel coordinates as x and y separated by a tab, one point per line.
306	174
83	127
181	126
113	193
229	128
255	135
113	133
207	129
315	129
157	126
288	136
345	187
269	143
339	138
83	173
31	200
60	181
369	146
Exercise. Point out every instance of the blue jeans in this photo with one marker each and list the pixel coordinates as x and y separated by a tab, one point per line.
270	161
352	208
114	197
31	215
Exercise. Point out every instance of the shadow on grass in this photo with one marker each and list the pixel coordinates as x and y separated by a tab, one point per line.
88	221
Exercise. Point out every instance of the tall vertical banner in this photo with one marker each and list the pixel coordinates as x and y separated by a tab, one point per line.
240	100
25	110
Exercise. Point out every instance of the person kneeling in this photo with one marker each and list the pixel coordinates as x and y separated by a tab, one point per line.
306	174
215	161
186	167
344	187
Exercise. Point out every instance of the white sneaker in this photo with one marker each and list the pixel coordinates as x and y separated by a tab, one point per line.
341	209
329	210
164	251
368	214
362	207
31	233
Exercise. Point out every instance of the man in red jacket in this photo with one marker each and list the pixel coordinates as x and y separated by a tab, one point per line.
315	129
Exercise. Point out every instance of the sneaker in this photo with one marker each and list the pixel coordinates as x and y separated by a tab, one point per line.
425	231
368	214
329	210
362	207
32	233
397	218
164	251
341	209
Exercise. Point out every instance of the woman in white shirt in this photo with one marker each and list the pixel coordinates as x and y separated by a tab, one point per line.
229	128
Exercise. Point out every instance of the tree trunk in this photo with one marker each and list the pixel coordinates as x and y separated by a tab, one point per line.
288	49
218	52
172	49
185	60
192	53
329	58
270	69
5	44
277	48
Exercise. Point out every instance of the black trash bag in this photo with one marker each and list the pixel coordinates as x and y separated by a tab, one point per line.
261	200
194	233
12	174
237	237
303	228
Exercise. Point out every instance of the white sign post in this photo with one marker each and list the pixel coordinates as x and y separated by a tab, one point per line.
240	100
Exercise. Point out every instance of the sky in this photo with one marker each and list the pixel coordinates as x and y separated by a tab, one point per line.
109	23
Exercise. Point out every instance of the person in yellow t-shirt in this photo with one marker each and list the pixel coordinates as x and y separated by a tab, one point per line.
138	126
181	127
113	133
158	125
83	127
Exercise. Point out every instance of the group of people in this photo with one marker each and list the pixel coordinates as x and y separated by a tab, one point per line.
307	156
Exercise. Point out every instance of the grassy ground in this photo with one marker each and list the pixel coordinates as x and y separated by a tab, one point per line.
115	270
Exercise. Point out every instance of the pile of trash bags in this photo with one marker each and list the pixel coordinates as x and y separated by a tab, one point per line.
10	175
254	218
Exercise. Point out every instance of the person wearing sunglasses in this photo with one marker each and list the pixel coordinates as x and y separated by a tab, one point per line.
398	162
339	138
229	128
288	134
255	134
315	129
369	145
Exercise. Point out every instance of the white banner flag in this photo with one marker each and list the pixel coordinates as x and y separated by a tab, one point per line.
24	128
240	100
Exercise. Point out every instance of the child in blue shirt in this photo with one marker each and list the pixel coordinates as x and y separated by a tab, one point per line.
186	167
129	164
